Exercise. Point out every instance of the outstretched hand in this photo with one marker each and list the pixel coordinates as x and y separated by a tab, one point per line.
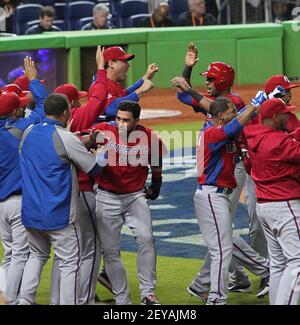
151	71
30	69
191	57
181	83
99	57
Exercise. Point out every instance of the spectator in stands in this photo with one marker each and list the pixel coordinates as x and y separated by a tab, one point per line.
197	15
280	11
47	15
100	14
9	7
159	17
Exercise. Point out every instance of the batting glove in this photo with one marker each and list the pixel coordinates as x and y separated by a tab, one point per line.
152	192
278	92
260	97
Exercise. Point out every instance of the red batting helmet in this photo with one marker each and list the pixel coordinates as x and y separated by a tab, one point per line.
223	74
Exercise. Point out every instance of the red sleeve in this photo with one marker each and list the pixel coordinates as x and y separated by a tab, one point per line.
84	116
296	134
293	122
290	150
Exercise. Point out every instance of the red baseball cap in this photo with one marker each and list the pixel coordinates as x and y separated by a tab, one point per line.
116	53
70	91
13	88
10	101
23	82
274	106
279	80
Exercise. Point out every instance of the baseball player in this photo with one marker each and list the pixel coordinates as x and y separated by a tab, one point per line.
275	158
121	198
272	89
116	65
220	78
83	117
282	81
212	202
49	155
12	126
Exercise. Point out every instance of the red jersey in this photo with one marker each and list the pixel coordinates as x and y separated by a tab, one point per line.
219	154
293	126
127	168
293	123
85	115
115	90
275	160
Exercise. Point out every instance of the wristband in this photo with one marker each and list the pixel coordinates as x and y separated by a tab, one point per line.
195	94
187	72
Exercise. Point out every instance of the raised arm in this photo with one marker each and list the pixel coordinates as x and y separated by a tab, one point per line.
181	83
84	116
112	108
190	60
39	94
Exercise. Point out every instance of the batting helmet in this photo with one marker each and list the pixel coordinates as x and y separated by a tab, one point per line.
223	74
13	88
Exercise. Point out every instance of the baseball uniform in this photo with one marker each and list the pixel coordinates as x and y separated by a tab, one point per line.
49	155
12	231
243	254
83	118
275	157
121	199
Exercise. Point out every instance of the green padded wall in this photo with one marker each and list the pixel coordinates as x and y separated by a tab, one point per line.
170	58
291	49
255	50
258	59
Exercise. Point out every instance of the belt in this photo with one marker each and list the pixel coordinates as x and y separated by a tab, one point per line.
114	192
224	190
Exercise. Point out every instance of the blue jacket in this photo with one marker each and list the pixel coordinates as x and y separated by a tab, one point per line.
10	136
49	158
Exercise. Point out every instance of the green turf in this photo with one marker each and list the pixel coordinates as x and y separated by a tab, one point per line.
173	277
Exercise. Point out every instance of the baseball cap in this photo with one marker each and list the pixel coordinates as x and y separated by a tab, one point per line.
116	53
274	106
9	101
71	91
13	88
23	82
278	80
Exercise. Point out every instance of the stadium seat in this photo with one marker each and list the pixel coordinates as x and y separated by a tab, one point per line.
177	7
133	21
75	11
60	10
127	8
84	21
40	2
23	14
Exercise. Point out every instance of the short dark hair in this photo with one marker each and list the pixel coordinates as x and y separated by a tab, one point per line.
56	104
220	105
130	106
47	11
